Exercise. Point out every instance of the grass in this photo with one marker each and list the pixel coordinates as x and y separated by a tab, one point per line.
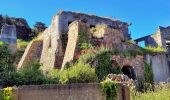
160	93
158	49
22	44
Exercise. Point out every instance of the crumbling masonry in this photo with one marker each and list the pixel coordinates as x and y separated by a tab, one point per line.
58	44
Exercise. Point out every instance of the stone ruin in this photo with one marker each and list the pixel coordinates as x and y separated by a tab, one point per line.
58	44
160	61
8	35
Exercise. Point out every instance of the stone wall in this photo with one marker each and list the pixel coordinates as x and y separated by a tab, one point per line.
67	92
73	36
137	63
67	17
8	35
160	67
53	51
32	53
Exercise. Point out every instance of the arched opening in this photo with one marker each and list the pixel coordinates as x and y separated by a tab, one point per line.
129	71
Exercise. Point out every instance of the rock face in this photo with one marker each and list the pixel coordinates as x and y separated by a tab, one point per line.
54	51
8	35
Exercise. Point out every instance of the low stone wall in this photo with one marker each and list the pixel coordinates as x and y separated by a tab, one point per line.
66	92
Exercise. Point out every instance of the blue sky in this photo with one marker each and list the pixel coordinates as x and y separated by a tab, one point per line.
145	15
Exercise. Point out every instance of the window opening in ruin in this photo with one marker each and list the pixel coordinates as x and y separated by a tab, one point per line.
141	44
129	71
92	26
69	22
168	45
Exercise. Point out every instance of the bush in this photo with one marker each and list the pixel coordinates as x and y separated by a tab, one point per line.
101	60
6	62
149	77
110	89
78	73
29	75
7	92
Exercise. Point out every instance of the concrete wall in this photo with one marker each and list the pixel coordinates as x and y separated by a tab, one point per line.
160	67
67	92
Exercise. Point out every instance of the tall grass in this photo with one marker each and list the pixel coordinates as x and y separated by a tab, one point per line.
150	49
162	92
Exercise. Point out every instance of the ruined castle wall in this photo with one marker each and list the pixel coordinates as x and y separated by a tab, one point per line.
137	63
92	20
154	40
32	53
160	67
52	52
73	36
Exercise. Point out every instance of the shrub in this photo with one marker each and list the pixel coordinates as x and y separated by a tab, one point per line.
110	89
83	46
149	77
6	62
7	92
101	60
78	73
29	75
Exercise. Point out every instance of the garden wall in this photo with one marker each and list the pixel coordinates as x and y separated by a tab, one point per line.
66	92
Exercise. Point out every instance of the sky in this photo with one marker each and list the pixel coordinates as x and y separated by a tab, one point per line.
145	15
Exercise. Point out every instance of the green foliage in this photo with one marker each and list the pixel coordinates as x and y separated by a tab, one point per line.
132	52
104	64
149	77
83	46
21	44
101	61
110	89
151	50
83	41
7	92
6	62
1	43
29	75
78	73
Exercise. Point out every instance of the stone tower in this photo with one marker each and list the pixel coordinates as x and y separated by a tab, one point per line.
8	35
